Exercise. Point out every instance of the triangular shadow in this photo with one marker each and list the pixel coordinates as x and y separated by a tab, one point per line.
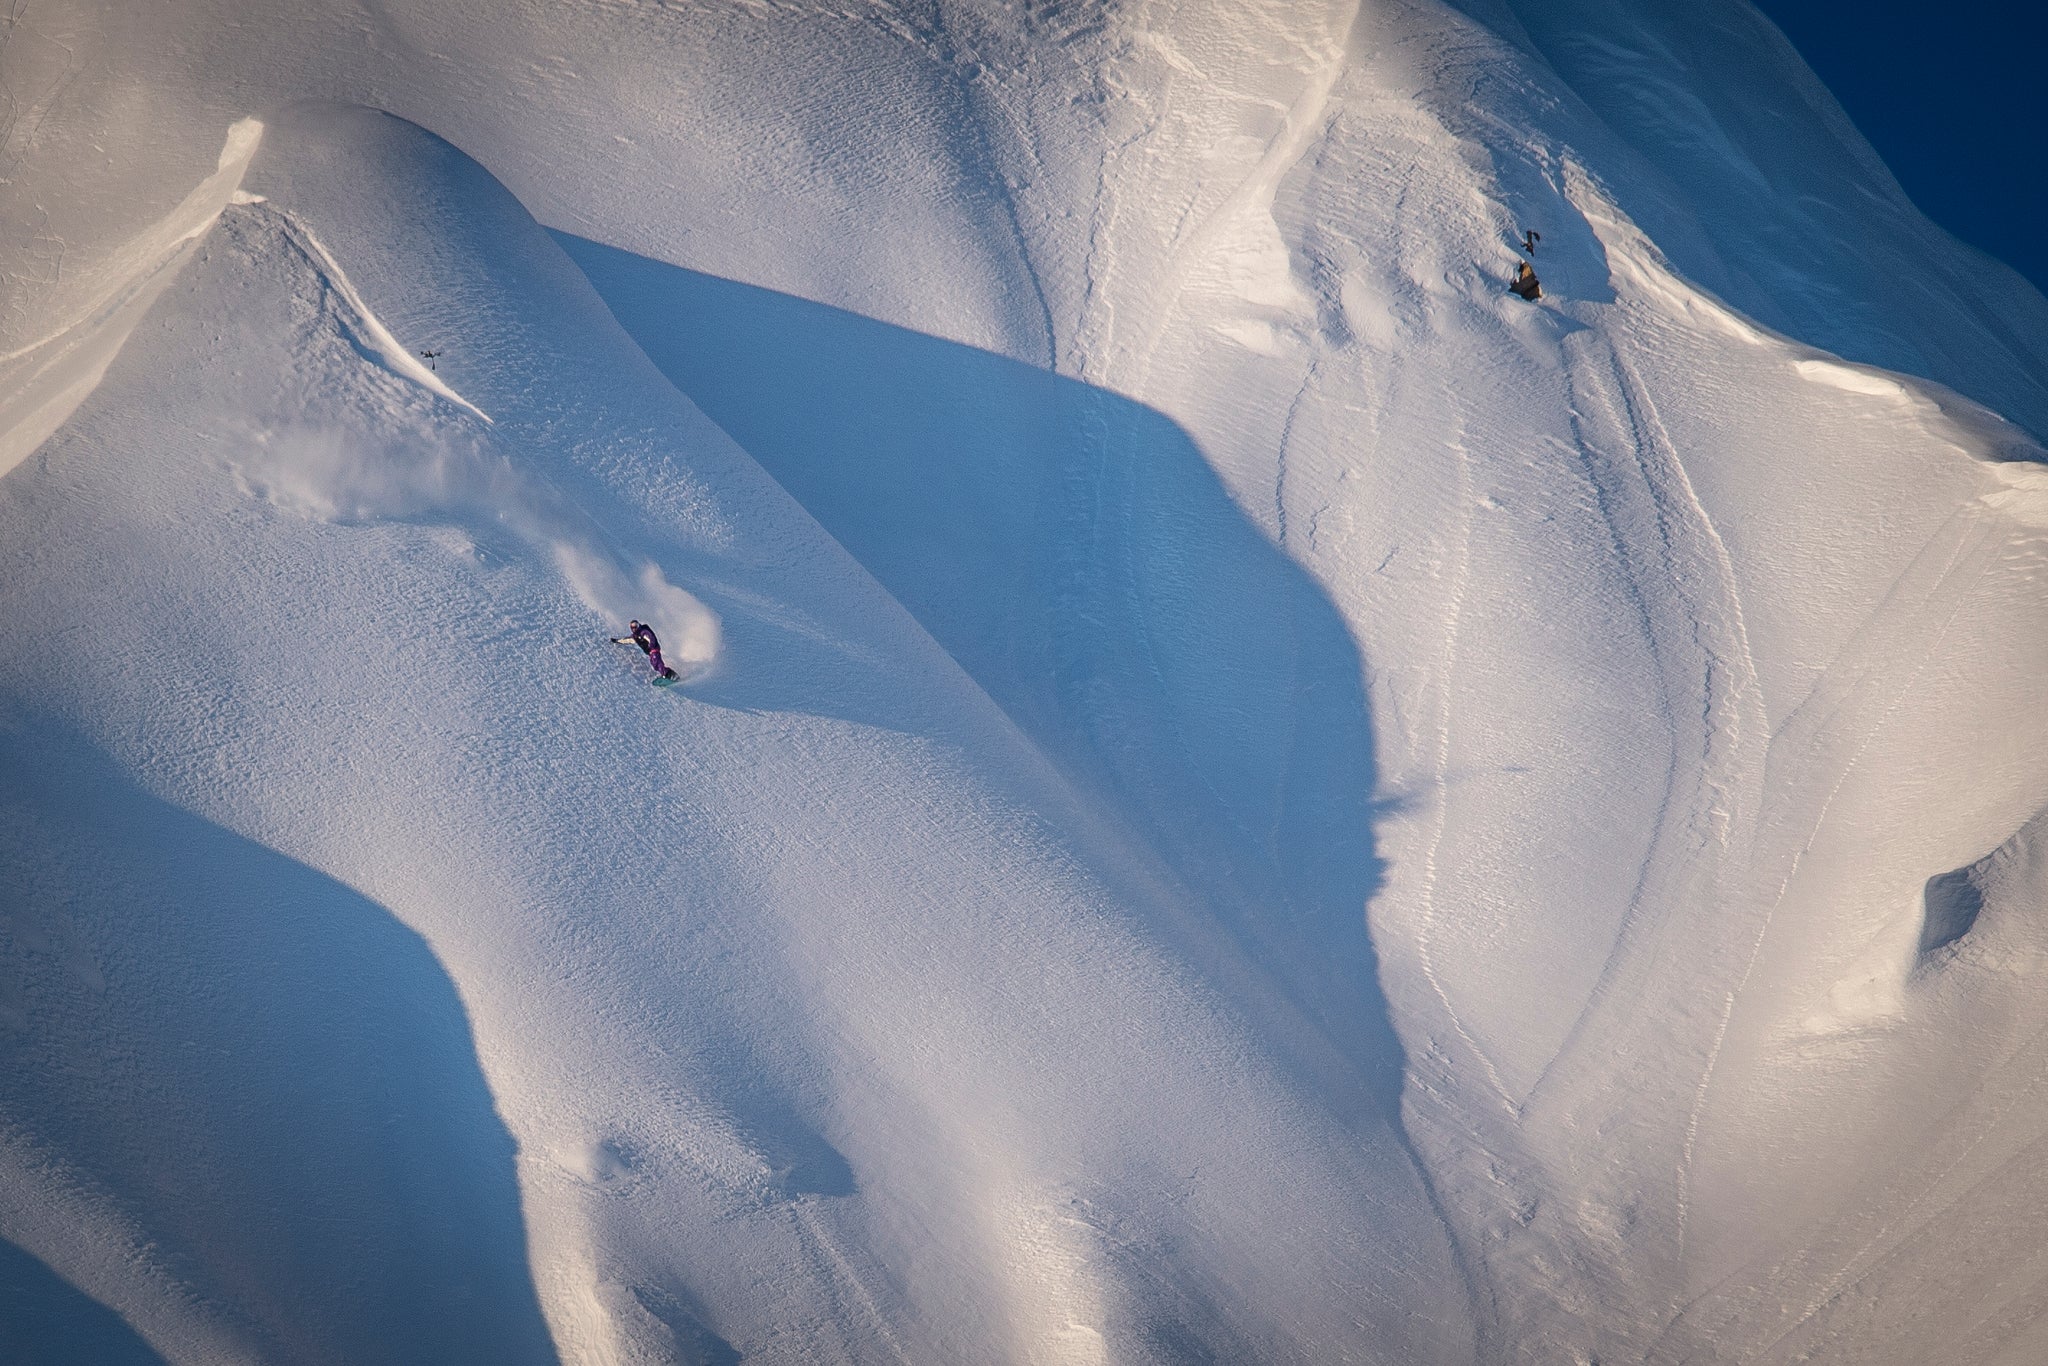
1079	558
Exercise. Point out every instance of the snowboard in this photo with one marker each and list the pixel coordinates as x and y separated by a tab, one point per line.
667	680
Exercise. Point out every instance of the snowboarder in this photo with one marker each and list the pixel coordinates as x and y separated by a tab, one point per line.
641	634
1530	237
1525	283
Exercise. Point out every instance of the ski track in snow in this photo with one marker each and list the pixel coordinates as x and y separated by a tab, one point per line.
1128	364
1896	1230
824	1250
1730	777
1968	567
1006	911
1721	803
1446	664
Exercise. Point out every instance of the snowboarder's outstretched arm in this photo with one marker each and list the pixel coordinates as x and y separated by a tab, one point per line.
641	635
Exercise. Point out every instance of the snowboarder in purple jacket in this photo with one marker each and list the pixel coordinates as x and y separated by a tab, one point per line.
641	634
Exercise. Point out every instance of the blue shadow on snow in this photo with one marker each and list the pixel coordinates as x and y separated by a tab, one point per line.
43	1319
274	1078
1079	558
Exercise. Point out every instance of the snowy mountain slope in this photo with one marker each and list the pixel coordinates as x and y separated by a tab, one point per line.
208	1036
47	377
817	894
722	125
1809	232
834	151
973	964
1210	697
1822	786
1610	513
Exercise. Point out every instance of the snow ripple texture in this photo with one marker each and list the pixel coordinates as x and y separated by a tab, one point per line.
1238	794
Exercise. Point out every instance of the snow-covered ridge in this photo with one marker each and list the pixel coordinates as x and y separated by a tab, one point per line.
372	332
43	382
1243	794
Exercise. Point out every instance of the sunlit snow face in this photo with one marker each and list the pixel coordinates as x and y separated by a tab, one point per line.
1261	799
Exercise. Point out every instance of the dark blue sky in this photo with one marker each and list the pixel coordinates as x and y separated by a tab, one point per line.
1952	96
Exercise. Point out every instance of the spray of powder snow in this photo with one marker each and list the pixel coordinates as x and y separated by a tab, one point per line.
328	476
688	629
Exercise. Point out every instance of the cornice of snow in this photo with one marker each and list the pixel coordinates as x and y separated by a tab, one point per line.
374	334
1365	817
42	383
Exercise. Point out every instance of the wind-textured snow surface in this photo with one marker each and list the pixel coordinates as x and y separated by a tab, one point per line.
1239	793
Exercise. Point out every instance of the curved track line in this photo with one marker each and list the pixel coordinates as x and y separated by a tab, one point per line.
1447	659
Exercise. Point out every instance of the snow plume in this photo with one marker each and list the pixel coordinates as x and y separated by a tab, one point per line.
688	629
328	475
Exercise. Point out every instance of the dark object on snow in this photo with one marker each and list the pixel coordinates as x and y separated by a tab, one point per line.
1951	903
1530	238
1525	283
643	636
428	356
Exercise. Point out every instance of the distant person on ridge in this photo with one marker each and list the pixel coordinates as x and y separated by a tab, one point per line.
641	634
